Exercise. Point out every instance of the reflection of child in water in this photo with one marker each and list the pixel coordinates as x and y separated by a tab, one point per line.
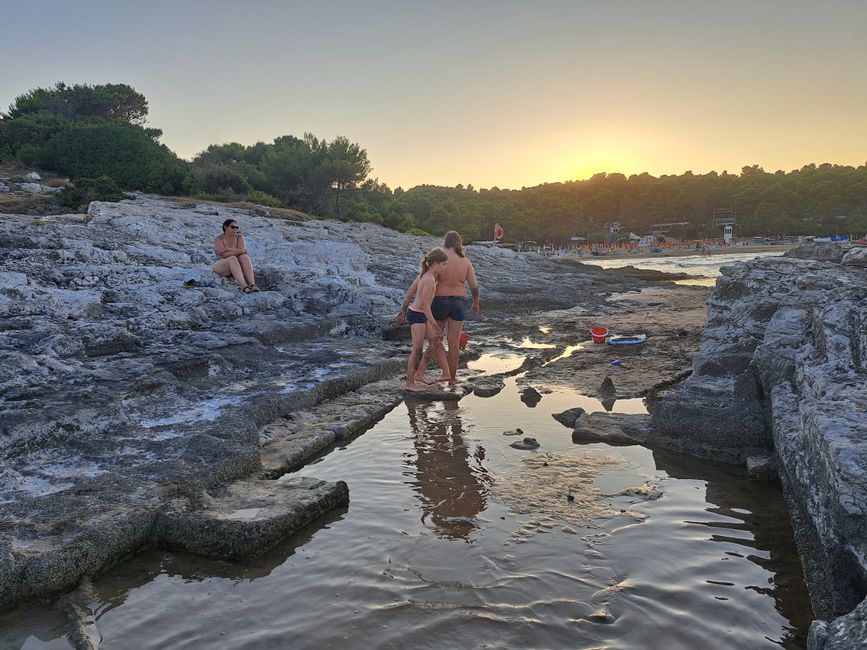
451	480
421	321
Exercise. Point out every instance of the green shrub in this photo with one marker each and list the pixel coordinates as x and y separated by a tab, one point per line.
221	195
33	130
31	154
263	198
218	179
86	190
127	154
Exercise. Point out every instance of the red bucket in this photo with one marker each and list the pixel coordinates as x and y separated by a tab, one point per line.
465	338
599	334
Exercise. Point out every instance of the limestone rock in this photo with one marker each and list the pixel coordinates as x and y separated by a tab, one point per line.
436	393
824	251
618	429
761	467
530	396
782	371
249	517
568	417
487	386
843	633
855	257
526	444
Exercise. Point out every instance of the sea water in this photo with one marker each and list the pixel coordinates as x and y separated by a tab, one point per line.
453	539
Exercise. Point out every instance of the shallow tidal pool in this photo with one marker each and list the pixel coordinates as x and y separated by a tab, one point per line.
453	539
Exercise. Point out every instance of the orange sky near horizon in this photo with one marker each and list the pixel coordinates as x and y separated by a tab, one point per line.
490	93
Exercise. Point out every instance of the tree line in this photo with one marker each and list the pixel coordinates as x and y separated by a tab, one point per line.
96	135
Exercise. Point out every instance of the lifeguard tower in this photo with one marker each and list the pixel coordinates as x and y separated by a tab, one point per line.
727	219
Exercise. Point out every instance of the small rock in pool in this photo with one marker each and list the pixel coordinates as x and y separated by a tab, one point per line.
514	432
526	443
601	615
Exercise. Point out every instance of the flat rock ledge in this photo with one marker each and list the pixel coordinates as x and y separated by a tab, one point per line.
782	372
249	517
616	429
289	442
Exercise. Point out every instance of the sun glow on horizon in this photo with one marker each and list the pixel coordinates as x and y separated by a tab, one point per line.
584	153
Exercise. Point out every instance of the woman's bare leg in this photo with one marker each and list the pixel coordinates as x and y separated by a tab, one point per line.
247	268
454	339
230	266
435	346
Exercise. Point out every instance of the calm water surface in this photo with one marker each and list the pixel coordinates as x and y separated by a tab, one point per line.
705	268
453	539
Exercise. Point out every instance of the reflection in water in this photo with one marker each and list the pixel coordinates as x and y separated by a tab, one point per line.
503	555
451	483
528	344
748	506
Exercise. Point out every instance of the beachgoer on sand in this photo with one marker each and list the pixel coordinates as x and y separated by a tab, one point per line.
419	316
449	305
231	249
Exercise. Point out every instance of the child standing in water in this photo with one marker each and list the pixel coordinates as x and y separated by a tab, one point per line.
421	320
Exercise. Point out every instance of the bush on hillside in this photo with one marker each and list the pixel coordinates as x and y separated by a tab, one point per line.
129	155
263	198
86	190
30	130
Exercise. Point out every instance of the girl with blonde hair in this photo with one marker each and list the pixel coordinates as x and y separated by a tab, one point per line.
421	320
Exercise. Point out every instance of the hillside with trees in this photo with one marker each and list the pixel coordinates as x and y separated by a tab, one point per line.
96	136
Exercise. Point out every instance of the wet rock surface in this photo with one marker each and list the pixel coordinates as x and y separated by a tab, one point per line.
248	516
568	417
617	429
782	371
139	384
671	316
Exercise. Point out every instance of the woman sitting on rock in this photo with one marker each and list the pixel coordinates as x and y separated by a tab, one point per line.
234	260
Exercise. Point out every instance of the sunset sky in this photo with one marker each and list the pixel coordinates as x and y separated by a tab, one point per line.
488	93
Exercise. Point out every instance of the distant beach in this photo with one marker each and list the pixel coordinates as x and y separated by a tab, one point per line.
704	268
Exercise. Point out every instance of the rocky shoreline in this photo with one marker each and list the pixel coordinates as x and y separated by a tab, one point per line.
143	410
780	383
137	399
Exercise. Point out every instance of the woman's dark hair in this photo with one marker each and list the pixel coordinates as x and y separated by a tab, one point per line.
227	223
453	240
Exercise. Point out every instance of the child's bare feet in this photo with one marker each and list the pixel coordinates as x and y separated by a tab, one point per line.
424	379
455	380
414	388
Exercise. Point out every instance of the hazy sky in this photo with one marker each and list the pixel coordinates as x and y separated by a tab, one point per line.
487	93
